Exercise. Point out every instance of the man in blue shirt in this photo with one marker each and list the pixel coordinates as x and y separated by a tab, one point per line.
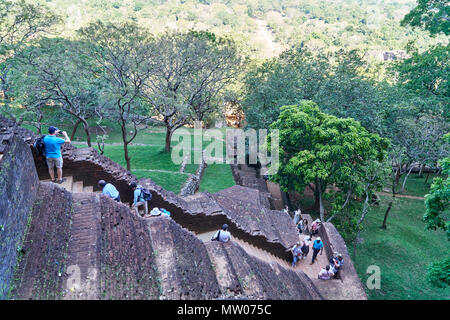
53	152
109	190
138	199
317	246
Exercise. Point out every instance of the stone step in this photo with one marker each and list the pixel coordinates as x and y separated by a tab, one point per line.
88	189
68	183
77	187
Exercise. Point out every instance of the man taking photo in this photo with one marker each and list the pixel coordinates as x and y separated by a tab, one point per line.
53	152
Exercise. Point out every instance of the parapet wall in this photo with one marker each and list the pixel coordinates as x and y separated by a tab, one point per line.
18	187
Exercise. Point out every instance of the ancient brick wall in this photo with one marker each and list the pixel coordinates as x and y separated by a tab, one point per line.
43	263
18	187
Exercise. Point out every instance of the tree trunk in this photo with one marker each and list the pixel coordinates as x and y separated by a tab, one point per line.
74	130
383	226
88	135
321	208
125	145
397	176
421	170
168	138
406	178
127	158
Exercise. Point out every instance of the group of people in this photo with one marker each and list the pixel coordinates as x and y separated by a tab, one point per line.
139	200
52	151
50	147
301	249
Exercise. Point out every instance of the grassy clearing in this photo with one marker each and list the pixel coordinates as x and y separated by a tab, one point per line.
150	160
402	251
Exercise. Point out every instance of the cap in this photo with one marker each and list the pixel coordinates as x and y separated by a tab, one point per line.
52	129
225	226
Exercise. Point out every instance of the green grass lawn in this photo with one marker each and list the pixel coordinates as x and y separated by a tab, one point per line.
150	161
402	251
416	185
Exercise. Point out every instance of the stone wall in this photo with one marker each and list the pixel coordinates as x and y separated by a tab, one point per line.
18	187
41	270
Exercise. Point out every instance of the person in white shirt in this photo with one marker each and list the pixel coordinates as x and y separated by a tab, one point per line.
222	235
305	246
326	273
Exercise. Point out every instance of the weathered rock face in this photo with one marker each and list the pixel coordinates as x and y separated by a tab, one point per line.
18	187
243	275
39	274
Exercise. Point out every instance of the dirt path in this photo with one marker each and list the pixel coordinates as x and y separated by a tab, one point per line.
273	48
401	196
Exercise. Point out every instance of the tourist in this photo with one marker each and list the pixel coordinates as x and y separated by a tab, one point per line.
53	152
296	253
302	226
315	227
138	199
326	273
297	216
222	235
305	246
336	263
317	246
109	190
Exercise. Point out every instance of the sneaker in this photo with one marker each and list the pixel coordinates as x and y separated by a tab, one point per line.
62	180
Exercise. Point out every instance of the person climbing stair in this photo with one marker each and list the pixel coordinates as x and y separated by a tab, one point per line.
139	198
109	190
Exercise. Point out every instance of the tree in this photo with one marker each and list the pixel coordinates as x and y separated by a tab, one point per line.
191	72
297	74
437	204
431	15
20	23
122	53
319	151
426	76
56	71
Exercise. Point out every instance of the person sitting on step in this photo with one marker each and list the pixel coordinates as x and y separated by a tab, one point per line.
326	273
109	190
138	199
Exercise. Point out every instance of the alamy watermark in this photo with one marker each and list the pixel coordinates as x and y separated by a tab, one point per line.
374	280
234	146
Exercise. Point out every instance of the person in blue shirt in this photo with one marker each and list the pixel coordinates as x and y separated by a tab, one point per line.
53	152
138	199
317	246
109	190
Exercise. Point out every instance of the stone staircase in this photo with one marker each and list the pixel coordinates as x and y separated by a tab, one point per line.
304	265
74	186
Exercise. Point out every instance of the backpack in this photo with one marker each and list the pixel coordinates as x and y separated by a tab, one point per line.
39	146
146	194
217	237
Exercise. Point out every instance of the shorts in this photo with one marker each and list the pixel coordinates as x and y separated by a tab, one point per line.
55	162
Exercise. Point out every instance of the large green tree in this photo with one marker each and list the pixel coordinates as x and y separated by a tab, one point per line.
56	72
437	204
190	74
318	150
21	23
431	15
122	53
